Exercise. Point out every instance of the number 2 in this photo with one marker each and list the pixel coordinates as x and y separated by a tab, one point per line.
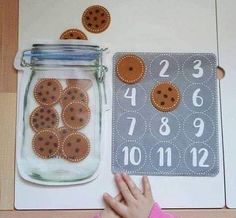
198	67
165	67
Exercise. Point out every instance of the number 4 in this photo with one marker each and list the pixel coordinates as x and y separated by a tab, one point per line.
132	96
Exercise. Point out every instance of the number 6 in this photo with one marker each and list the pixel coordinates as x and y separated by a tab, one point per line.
197	100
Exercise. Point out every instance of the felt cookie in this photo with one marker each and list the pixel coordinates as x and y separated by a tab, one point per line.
46	143
96	19
73	34
47	92
130	69
63	132
73	94
84	84
75	147
44	118
76	115
165	96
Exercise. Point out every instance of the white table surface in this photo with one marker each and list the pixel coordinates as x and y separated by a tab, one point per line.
227	59
151	25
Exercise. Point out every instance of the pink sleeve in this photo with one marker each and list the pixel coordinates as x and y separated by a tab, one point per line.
156	212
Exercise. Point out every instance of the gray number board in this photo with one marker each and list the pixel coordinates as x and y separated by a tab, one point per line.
165	114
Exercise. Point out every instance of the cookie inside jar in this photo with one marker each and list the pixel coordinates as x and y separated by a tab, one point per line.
63	110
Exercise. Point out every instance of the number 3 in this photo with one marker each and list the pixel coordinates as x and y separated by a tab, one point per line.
198	67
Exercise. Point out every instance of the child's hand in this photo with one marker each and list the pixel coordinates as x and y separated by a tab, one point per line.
137	204
108	212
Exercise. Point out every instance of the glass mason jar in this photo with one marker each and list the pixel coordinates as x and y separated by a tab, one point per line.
60	107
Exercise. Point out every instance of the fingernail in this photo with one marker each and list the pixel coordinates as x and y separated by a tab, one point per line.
117	176
124	174
105	195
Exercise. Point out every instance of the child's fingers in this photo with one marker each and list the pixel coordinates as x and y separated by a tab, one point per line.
113	203
147	187
118	197
136	192
123	189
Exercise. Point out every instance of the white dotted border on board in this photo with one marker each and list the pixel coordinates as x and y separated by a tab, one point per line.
202	56
141	136
137	109
158	115
204	114
138	168
166	78
205	172
212	98
154	167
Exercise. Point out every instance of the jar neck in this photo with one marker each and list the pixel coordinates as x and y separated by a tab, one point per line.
63	55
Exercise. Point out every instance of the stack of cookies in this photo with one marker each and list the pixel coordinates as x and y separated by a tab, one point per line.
65	141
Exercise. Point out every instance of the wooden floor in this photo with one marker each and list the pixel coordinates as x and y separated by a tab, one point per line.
8	80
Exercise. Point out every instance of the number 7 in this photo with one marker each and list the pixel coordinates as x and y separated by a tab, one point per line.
132	125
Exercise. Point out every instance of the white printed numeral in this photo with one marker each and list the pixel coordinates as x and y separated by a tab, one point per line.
164	128
199	123
132	96
165	67
197	99
132	125
198	67
129	155
165	157
199	157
